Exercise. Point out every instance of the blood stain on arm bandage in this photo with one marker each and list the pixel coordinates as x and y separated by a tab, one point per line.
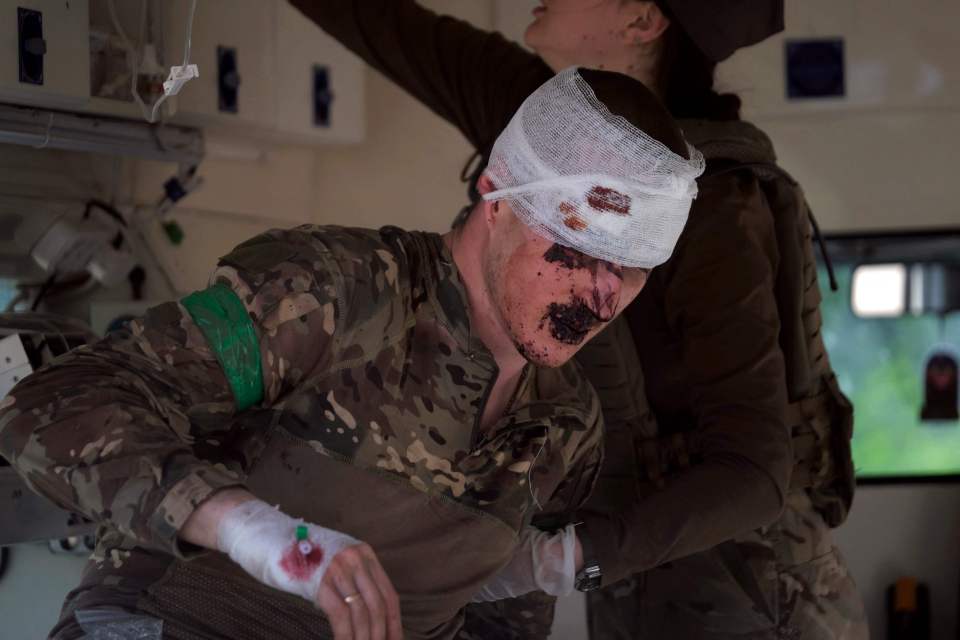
300	566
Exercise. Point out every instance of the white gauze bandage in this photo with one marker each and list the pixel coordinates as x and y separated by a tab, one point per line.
264	541
542	561
589	180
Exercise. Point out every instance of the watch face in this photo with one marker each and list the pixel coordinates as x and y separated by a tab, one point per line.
588	579
588	584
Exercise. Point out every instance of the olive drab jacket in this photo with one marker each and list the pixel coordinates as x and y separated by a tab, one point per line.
333	372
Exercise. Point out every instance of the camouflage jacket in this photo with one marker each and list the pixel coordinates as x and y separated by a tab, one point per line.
368	363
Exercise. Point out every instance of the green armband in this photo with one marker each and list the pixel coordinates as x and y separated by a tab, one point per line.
223	319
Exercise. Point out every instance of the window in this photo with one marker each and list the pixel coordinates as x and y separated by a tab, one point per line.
894	343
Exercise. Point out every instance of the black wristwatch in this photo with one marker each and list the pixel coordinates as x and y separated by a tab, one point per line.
590	576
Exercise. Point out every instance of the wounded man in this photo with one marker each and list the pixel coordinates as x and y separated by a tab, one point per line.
350	430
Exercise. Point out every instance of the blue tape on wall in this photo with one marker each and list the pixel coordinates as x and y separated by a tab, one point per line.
815	68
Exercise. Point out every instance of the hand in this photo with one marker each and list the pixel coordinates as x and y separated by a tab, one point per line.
358	598
338	573
543	561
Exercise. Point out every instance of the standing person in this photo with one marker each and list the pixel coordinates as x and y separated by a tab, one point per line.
728	437
404	399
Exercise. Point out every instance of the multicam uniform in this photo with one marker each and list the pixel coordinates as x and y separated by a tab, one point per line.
368	423
737	441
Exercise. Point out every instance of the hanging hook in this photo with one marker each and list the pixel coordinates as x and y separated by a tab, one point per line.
46	140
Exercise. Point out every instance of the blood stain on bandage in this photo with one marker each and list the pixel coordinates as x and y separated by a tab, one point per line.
571	216
299	566
609	200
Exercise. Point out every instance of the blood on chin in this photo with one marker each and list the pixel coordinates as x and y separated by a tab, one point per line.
545	353
553	346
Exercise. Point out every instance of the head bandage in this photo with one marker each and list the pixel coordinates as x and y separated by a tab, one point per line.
589	180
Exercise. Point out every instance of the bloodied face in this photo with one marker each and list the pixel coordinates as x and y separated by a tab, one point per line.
552	299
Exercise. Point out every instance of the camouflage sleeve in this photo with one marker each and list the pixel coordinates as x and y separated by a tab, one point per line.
108	430
586	455
320	297
581	453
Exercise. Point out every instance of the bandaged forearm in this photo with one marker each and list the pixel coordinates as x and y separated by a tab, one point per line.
279	551
542	562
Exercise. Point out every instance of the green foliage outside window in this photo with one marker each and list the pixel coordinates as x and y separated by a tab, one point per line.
880	364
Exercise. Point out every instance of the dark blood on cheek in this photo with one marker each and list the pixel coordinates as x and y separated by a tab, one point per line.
570	323
299	566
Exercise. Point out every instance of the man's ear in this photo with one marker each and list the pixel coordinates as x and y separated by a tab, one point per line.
485	184
490	209
646	22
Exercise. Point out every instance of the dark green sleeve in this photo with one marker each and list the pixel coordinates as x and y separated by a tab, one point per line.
716	351
474	79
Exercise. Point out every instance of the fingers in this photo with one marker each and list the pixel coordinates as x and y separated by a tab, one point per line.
391	600
373	600
337	611
347	587
373	610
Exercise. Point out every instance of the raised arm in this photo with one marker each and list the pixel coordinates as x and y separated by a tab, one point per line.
474	79
729	347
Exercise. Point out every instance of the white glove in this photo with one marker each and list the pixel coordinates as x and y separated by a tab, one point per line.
542	561
279	551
